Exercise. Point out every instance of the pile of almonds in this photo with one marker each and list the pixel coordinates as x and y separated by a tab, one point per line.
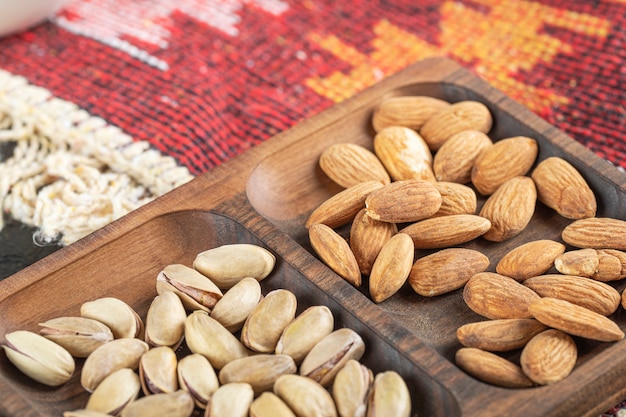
211	344
417	189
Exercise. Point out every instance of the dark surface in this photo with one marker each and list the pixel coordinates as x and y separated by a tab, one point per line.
17	249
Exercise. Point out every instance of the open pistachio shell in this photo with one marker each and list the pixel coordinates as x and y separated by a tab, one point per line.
238	302
121	318
108	358
206	336
39	358
175	404
165	320
390	396
308	328
305	397
157	371
260	371
197	376
330	354
266	322
230	400
79	335
196	291
226	265
115	392
351	388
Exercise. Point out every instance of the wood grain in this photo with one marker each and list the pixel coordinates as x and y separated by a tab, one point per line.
264	197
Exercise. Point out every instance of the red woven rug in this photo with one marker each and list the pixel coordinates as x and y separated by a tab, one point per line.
202	81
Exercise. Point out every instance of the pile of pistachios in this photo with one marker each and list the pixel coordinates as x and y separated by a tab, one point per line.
211	344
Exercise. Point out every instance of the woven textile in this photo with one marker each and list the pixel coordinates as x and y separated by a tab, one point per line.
201	81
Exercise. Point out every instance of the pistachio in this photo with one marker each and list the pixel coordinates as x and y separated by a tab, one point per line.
195	290
230	400
121	318
304	396
330	354
206	336
235	306
351	389
81	412
39	358
299	337
175	404
165	320
269	404
157	371
197	376
260	371
266	322
108	358
390	396
226	265
79	335
115	392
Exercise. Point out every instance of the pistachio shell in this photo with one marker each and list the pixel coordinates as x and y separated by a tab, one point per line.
235	306
121	318
81	412
196	291
266	322
390	396
39	358
196	375
206	336
260	371
330	354
108	358
226	265
299	337
175	404
230	400
157	371
269	404
165	320
351	389
305	397
79	335
115	392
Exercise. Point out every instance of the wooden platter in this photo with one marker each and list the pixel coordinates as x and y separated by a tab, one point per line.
264	197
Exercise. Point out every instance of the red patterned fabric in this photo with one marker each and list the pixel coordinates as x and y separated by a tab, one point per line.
203	81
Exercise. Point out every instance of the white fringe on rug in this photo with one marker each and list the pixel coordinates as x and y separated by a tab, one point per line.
71	173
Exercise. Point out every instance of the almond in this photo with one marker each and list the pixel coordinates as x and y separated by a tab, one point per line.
596	232
510	208
497	296
455	198
583	262
500	335
335	252
407	111
367	237
610	267
617	254
341	208
348	164
446	231
404	154
455	158
561	187
391	268
549	357
586	292
446	270
530	259
575	320
491	368
403	201
464	115
507	158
